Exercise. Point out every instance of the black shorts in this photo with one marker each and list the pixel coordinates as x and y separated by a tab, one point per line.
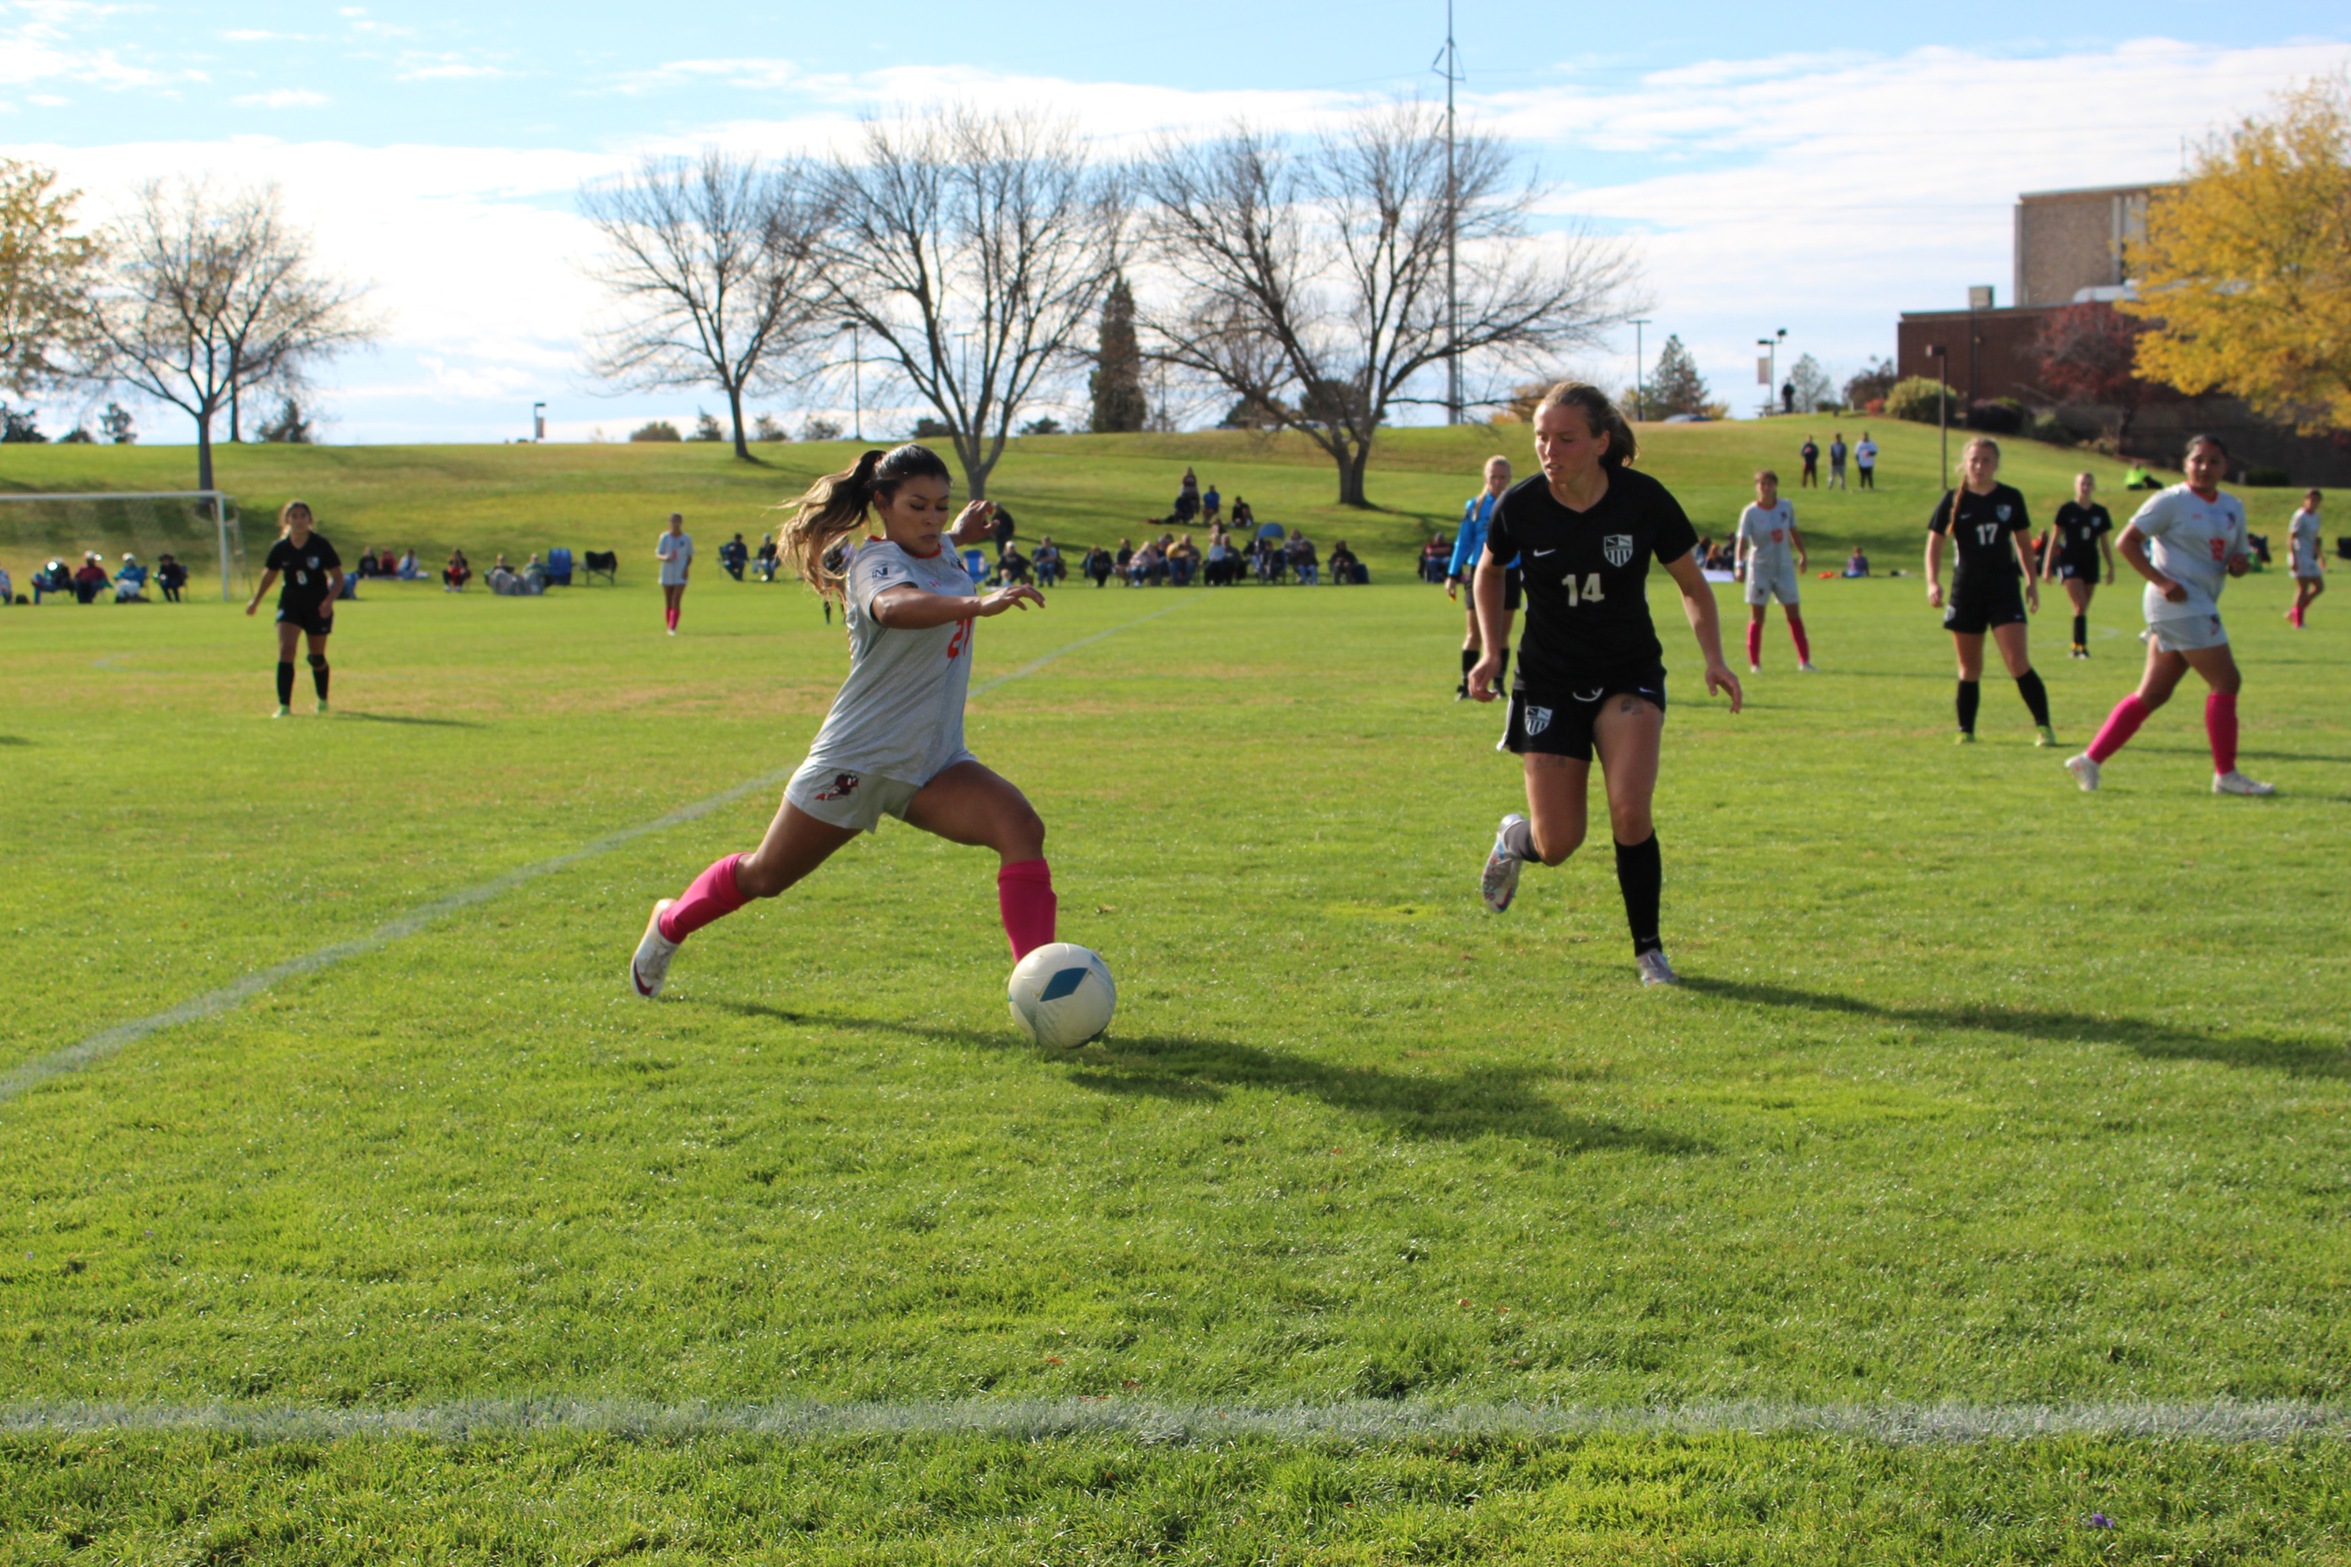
2078	570
1975	607
1559	723
317	619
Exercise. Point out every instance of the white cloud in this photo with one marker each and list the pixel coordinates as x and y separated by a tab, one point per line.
43	49
445	68
283	98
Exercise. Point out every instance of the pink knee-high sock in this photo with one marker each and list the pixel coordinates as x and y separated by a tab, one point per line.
2120	725
669	616
1024	896
1754	641
1803	643
713	896
2220	727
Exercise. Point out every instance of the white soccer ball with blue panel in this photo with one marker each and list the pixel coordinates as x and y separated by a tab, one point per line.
1061	995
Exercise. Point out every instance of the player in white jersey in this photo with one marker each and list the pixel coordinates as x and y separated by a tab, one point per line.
893	743
2309	565
675	550
1771	553
2198	542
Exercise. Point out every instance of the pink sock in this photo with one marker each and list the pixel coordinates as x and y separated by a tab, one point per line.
669	616
1796	630
1754	641
1024	895
713	896
2120	725
2220	727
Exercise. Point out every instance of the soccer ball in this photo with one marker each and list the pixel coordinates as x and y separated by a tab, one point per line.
1062	995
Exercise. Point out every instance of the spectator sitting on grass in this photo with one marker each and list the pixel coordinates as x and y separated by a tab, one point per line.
170	576
386	564
457	573
130	582
90	580
1244	520
767	557
1857	564
2138	478
407	570
733	555
365	565
1187	505
1344	566
1211	505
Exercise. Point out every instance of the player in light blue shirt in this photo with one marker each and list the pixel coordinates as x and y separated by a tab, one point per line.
1469	546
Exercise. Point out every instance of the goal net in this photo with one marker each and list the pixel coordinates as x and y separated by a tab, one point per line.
198	528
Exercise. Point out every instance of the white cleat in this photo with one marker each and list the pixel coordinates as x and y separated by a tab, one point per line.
1499	884
283	711
2234	782
1755	669
1808	668
1655	970
649	969
2085	772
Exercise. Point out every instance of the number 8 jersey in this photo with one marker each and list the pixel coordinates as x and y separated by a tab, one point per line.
1586	578
900	713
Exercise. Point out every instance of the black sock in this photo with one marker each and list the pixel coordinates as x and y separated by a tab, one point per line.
1469	658
1640	875
318	677
1971	695
285	685
2081	631
2036	696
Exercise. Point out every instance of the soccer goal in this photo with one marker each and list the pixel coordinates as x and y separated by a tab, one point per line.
200	527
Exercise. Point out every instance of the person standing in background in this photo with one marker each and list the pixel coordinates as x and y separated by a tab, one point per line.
1865	461
675	550
2307	560
1837	460
1810	452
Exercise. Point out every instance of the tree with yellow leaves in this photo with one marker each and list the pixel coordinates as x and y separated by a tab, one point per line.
2245	275
46	273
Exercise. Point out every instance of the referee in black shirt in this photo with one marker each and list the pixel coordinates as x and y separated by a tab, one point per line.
1591	676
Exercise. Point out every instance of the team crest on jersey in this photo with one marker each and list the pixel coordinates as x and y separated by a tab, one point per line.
2001	511
1617	547
1538	720
842	786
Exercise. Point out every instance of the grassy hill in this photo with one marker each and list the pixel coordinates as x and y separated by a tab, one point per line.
1084	489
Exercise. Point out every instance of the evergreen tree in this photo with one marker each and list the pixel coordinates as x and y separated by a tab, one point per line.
1117	382
1676	387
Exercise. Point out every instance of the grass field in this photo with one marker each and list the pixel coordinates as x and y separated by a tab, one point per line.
1981	1197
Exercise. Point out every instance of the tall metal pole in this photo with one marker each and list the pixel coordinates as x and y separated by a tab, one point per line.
1452	235
1640	398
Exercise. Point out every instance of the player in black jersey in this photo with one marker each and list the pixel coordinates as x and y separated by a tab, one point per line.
1986	520
1591	676
313	574
2071	555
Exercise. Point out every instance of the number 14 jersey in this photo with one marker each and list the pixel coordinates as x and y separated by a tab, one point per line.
1586	577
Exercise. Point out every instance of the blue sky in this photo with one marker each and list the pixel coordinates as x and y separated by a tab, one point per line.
1814	168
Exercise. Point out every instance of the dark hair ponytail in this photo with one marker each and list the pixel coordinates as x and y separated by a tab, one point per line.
838	504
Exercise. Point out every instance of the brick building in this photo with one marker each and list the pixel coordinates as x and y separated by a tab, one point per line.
2070	248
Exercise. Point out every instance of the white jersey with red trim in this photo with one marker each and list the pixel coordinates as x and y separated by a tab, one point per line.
900	713
2194	541
1770	534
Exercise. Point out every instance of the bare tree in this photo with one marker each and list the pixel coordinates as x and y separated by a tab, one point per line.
973	249
713	262
1310	279
47	270
209	298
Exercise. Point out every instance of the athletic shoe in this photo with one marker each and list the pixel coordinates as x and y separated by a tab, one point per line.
2234	782
322	707
1808	668
1967	737
1755	669
2045	736
649	969
283	711
2079	651
2085	772
1461	692
1499	884
1655	970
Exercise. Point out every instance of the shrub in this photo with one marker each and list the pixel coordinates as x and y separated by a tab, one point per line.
707	427
2268	478
927	428
2050	428
814	429
1999	416
1915	398
656	430
79	435
765	428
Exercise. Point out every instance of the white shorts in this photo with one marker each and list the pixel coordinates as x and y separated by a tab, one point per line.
1764	586
2305	566
672	576
2186	634
854	800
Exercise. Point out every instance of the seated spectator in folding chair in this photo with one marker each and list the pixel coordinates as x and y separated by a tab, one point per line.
502	578
1048	562
1148	566
7	587
1123	558
130	582
768	557
1302	560
1345	568
1435	556
1099	565
1183	562
407	570
1012	566
733	556
170	577
90	580
457	573
534	574
1273	561
55	577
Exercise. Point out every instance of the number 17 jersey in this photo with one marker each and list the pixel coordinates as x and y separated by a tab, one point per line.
1586	578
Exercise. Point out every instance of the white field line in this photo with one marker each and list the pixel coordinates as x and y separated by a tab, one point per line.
212	1003
1344	1423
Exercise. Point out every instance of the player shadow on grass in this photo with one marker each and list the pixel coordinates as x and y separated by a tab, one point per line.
402	718
2157	1041
1483	1101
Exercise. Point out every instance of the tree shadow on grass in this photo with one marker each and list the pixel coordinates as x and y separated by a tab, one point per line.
1501	1101
402	718
2156	1041
14	740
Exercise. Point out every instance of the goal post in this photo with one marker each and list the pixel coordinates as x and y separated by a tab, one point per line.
69	522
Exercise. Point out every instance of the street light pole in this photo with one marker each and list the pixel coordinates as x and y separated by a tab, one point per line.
538	421
1771	377
856	383
1450	55
1640	401
1942	352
